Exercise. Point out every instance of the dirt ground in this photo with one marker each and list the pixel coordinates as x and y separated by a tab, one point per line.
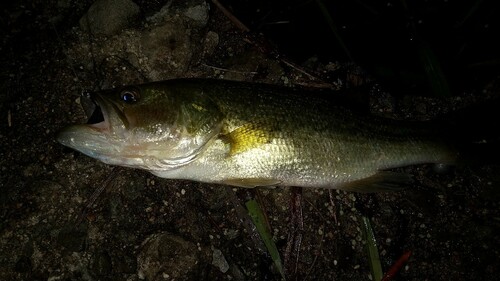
146	228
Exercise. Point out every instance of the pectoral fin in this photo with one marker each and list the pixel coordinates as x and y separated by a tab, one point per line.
252	182
246	137
379	182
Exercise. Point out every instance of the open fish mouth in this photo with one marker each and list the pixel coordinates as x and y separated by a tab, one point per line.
97	120
92	104
94	137
97	116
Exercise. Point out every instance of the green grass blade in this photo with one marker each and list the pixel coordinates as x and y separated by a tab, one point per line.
372	250
333	27
433	71
259	220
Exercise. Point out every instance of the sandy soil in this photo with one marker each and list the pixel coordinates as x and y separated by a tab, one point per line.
144	227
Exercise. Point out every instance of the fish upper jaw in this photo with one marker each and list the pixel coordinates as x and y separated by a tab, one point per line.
102	137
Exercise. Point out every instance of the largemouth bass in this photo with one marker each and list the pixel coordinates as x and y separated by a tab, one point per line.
245	134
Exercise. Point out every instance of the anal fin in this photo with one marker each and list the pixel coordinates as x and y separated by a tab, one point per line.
252	182
382	181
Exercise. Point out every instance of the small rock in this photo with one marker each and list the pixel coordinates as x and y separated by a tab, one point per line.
166	254
109	17
168	47
219	261
210	43
199	13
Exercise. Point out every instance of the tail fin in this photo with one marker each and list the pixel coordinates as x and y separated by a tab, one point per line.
475	131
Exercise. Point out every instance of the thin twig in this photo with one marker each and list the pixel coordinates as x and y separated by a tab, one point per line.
320	250
334	207
246	220
230	70
9	118
265	47
95	195
71	64
295	236
396	267
230	16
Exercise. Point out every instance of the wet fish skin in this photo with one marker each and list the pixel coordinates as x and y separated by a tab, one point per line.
247	134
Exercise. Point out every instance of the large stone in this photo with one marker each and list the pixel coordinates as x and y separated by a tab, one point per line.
109	17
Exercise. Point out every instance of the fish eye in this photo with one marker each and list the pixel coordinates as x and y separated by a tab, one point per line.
129	95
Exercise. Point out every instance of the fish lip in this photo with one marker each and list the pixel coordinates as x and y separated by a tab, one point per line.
80	136
97	140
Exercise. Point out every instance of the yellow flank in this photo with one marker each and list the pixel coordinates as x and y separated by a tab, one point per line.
246	137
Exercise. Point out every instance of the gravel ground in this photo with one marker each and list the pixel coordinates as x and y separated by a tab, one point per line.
145	228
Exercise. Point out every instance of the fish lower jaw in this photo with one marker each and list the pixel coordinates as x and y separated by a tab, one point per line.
100	127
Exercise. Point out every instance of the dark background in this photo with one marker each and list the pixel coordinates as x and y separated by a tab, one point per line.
419	58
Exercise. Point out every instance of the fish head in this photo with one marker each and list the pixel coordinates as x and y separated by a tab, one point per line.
151	126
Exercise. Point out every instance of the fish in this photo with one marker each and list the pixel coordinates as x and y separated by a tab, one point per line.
250	135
